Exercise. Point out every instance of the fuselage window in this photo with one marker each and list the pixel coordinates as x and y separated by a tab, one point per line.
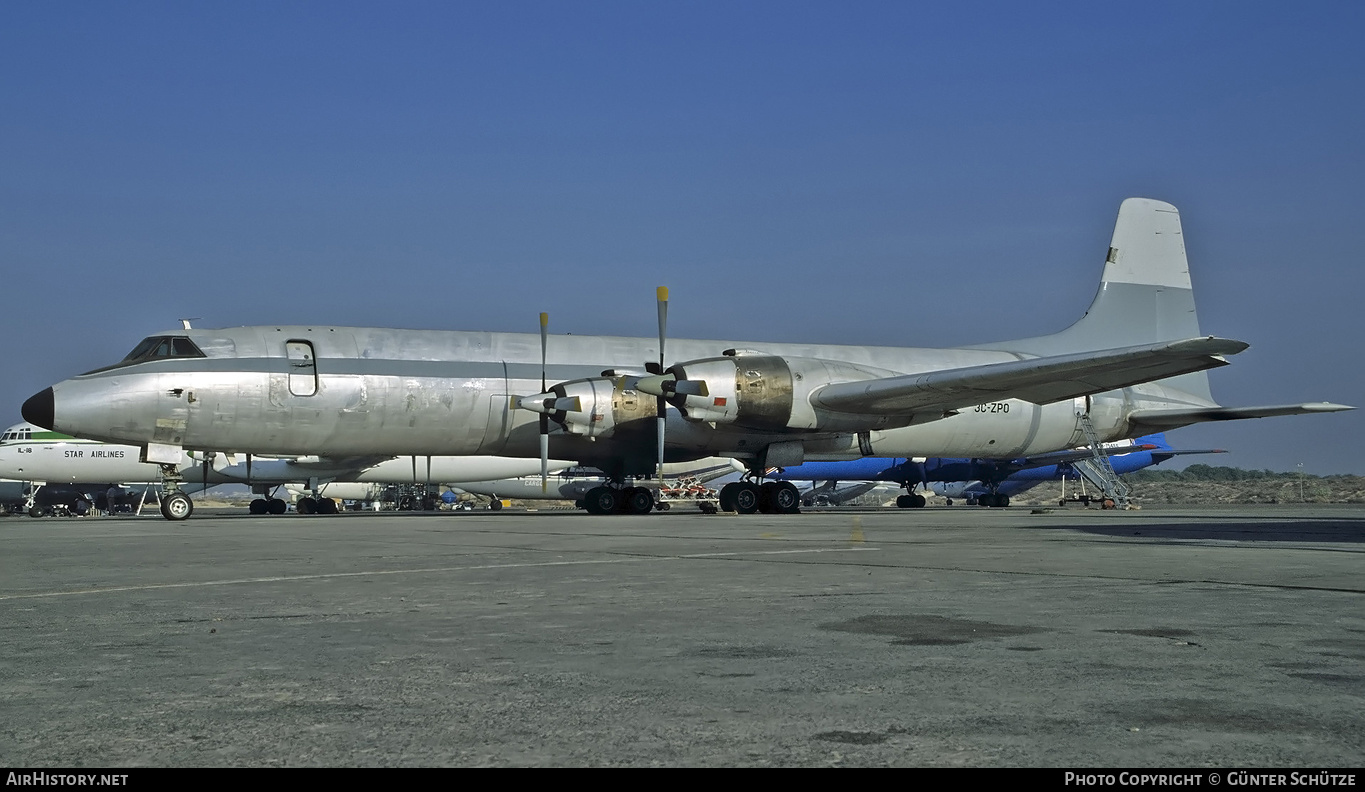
303	371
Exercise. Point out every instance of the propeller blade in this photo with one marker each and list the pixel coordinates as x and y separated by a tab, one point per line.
662	411
662	294
544	340
544	417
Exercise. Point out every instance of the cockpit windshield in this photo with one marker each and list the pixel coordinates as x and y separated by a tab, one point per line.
15	435
157	347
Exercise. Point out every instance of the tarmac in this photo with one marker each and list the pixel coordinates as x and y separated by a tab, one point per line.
1227	638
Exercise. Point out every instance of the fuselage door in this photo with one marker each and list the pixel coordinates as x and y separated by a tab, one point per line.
303	372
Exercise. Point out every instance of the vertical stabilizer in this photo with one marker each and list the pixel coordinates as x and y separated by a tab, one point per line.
1145	293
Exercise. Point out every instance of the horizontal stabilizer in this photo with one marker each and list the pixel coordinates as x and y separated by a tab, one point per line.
1076	454
1039	380
1160	419
1165	454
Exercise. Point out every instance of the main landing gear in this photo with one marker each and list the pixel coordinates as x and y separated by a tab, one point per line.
770	497
268	506
910	500
626	500
993	499
311	505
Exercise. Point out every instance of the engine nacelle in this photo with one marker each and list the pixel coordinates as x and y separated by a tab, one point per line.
596	407
765	392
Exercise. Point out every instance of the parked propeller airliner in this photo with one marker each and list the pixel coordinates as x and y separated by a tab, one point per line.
1132	365
47	458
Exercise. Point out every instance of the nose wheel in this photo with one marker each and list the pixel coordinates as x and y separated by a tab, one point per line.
176	506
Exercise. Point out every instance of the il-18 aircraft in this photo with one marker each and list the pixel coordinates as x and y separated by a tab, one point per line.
1132	365
48	458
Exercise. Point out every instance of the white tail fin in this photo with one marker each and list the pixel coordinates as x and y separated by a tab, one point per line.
1145	293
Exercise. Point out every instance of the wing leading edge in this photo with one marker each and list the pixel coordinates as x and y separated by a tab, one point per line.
1039	380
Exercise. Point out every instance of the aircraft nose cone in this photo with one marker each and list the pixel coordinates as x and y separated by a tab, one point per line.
39	409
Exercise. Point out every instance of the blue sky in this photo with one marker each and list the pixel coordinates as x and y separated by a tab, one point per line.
873	173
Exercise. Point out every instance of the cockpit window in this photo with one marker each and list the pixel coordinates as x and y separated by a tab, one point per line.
158	347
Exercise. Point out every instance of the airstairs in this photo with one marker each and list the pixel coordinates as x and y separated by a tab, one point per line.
1097	470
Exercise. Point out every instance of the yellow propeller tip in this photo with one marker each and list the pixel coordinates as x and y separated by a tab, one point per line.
663	293
544	320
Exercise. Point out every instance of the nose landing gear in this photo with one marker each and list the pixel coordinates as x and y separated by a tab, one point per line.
175	504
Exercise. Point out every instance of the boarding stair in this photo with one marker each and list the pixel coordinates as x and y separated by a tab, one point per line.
1098	470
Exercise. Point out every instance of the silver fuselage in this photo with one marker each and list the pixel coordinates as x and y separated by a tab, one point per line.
388	392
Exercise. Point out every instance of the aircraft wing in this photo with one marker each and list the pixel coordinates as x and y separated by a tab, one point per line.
1039	380
1160	419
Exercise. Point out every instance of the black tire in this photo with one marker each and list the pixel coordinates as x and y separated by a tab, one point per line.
765	497
277	506
35	511
327	506
903	501
605	499
81	507
747	498
306	506
918	501
259	506
177	506
785	498
639	500
727	496
495	505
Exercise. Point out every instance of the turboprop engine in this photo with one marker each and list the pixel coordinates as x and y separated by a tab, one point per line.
763	392
593	407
